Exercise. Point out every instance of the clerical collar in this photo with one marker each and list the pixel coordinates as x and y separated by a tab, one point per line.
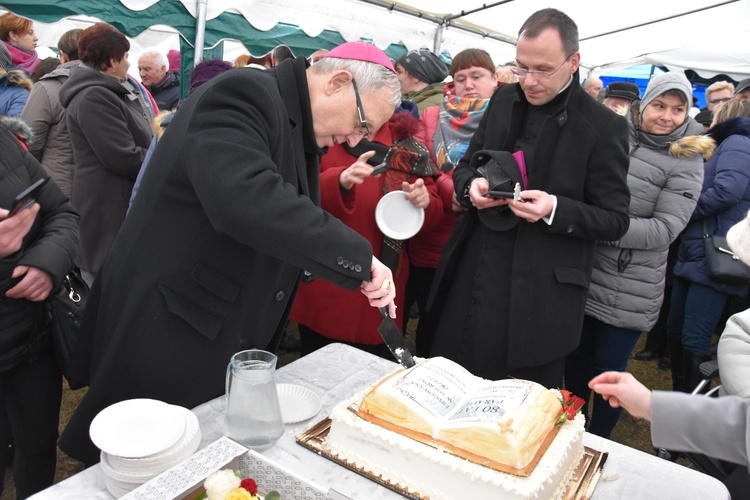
566	85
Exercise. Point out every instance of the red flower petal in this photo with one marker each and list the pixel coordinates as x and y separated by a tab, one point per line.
250	485
577	402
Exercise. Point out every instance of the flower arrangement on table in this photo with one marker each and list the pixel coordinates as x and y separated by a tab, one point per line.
571	405
226	484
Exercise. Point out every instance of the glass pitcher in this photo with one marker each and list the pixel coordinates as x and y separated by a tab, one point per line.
253	411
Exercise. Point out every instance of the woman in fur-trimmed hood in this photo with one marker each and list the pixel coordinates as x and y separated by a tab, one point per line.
15	86
627	284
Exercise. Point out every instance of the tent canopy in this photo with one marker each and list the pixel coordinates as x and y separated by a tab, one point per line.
709	37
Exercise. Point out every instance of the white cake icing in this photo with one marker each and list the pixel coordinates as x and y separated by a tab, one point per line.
437	474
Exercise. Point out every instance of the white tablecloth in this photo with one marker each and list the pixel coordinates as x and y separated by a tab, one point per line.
338	371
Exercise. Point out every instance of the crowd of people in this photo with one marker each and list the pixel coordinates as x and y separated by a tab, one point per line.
562	219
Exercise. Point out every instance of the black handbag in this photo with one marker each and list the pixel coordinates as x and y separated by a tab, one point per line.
66	310
723	265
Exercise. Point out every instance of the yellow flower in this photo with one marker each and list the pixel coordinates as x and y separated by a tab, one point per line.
239	494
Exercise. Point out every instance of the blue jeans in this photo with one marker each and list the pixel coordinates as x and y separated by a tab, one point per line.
602	348
694	312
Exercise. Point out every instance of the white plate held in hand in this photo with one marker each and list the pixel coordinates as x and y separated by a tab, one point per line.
137	427
397	218
297	403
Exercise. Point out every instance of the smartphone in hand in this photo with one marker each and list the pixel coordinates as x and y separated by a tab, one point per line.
379	168
27	197
514	195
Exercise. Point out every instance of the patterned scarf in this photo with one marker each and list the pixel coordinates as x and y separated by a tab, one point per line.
405	159
457	122
27	61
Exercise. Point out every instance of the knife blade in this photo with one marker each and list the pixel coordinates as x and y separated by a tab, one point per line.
394	340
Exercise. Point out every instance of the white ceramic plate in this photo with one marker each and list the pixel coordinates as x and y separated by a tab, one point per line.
297	403
137	427
397	218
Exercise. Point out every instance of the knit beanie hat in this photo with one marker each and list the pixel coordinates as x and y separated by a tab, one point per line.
173	56
667	81
205	70
424	65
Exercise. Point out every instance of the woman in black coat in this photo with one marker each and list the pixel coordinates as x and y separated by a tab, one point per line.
37	248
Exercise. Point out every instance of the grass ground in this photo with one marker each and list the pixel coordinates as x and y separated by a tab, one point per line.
629	431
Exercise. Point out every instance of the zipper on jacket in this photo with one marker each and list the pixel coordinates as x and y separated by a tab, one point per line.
626	255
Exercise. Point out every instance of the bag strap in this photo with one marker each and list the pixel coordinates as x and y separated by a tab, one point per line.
68	284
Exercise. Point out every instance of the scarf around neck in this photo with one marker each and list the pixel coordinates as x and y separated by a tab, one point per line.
406	158
27	61
457	121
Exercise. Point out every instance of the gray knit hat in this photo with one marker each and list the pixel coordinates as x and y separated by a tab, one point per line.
667	81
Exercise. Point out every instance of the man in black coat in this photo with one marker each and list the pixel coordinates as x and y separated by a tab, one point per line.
513	281
210	255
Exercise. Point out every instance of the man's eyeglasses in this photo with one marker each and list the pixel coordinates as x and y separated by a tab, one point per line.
719	101
362	129
523	73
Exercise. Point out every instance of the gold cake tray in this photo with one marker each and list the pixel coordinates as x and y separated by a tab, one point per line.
580	487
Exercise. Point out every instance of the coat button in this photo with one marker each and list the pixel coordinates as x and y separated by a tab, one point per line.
279	296
345	264
358	268
340	260
570	229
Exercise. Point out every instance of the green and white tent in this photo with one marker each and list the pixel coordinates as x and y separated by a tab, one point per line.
709	37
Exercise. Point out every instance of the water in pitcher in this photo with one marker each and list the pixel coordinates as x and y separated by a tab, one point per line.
253	414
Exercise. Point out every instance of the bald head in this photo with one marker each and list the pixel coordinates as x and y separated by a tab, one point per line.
593	86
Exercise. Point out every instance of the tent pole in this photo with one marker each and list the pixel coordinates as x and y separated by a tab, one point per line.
200	30
438	39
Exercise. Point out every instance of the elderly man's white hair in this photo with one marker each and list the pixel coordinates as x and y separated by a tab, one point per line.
159	58
370	77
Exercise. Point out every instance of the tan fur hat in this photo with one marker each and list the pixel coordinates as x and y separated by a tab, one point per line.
738	238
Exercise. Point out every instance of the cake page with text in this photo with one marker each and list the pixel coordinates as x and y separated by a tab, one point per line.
436	386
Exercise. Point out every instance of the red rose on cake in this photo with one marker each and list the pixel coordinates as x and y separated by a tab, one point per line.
571	404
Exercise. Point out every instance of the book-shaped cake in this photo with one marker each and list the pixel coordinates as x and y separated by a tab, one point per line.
505	424
438	432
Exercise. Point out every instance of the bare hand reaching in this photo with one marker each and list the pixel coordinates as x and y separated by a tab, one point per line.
621	389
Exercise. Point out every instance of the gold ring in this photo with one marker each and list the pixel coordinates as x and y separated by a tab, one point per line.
386	285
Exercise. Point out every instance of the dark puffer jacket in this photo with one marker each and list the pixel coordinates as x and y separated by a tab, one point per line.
724	201
50	246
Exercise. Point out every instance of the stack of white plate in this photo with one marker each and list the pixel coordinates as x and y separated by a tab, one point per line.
141	438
